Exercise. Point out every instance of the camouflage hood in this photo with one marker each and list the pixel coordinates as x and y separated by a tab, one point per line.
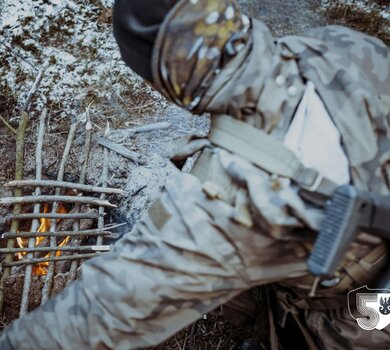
246	74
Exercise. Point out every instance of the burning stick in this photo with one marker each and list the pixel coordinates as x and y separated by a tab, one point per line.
63	184
63	225
37	207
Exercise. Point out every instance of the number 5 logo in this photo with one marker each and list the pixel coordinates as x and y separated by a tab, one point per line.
369	307
366	305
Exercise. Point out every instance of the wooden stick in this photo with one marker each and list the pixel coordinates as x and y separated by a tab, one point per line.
14	131
54	199
34	86
56	234
50	259
29	216
99	240
83	174
47	287
17	208
141	129
54	249
36	210
17	55
103	231
19	175
152	127
134	156
63	184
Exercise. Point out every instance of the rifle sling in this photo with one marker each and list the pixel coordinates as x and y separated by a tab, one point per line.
267	153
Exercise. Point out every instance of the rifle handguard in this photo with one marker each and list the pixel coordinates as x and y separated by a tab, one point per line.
347	213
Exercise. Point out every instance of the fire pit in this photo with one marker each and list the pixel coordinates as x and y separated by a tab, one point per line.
51	228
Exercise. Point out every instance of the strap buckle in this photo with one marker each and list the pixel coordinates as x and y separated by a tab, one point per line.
316	183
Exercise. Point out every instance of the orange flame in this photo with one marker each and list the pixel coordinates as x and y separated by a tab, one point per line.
40	269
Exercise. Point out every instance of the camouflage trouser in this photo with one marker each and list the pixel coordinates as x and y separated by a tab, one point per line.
184	258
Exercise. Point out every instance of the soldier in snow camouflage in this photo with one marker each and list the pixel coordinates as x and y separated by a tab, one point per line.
229	225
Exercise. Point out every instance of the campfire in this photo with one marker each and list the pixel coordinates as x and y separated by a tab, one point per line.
40	269
54	224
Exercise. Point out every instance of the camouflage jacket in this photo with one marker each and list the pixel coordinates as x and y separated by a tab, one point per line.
222	66
191	252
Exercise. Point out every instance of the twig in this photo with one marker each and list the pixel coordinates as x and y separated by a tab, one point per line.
56	234
55	199
17	55
104	248
152	127
104	184
36	210
99	241
34	86
141	129
192	333
63	184
17	208
134	156
83	174
50	259
27	216
87	150
47	287
13	130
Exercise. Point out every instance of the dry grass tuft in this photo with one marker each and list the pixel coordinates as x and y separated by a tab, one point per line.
368	20
213	333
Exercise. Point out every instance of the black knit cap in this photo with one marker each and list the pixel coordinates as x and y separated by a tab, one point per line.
136	24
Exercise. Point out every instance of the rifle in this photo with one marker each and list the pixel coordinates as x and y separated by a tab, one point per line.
349	212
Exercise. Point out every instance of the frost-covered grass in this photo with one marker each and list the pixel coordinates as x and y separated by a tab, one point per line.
371	17
84	62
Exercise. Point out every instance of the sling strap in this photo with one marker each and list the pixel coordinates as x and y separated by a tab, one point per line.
267	153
